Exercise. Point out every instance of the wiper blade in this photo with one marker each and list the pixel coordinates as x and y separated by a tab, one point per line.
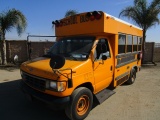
73	57
47	55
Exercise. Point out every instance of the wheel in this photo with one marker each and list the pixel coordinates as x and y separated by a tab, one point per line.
80	104
132	77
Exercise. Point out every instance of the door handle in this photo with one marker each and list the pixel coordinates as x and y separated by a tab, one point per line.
111	68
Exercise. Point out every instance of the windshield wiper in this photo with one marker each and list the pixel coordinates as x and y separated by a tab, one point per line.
74	58
46	55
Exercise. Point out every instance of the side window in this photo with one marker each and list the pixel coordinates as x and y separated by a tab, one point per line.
102	49
139	44
121	43
134	43
129	43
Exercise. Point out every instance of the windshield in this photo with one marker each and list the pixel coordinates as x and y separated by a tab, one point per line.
75	48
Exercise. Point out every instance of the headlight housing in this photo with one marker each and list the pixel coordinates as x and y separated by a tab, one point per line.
59	86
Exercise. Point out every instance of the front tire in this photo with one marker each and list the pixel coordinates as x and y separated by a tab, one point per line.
80	104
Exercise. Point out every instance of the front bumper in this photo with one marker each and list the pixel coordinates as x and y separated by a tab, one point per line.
57	102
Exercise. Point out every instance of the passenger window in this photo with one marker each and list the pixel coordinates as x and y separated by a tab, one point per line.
139	44
129	43
121	43
102	49
134	43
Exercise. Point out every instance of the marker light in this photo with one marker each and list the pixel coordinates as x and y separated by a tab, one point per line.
57	23
107	17
90	15
97	14
94	15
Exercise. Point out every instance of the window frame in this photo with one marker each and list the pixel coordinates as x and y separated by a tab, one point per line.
124	43
108	50
137	44
130	44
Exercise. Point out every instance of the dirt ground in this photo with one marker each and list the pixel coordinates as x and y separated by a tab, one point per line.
140	101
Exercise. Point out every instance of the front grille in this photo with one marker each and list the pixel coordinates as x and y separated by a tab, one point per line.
35	82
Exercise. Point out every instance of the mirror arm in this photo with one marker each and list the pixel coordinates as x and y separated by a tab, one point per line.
70	83
101	62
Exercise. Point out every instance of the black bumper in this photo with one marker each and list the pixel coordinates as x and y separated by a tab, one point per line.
57	102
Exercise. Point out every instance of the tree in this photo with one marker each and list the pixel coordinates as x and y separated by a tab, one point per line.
10	19
143	14
70	13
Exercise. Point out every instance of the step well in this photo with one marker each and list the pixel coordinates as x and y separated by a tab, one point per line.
104	94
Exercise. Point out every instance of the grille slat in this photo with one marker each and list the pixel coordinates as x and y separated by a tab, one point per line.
35	82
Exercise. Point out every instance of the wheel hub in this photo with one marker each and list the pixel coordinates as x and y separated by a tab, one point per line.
82	105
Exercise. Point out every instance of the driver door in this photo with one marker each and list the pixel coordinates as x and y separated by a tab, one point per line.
103	69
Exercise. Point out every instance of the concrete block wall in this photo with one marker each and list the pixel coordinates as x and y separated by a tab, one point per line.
152	52
38	48
20	48
157	54
15	47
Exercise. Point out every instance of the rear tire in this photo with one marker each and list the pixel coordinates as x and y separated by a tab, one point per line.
80	104
132	77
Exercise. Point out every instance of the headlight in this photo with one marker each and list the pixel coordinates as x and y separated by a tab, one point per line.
57	86
61	86
53	85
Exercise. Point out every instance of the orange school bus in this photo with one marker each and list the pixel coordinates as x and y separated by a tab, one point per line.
93	53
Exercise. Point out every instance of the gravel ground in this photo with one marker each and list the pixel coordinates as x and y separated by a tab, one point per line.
140	101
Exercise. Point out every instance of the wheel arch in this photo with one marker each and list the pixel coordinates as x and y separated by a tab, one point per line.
87	85
135	67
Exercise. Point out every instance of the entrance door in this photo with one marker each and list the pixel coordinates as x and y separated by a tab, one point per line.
103	69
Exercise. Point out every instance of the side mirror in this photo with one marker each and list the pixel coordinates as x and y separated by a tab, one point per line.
57	61
104	57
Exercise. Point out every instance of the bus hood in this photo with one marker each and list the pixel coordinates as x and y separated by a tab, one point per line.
40	67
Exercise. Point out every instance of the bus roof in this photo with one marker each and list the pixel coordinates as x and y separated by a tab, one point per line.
91	23
122	21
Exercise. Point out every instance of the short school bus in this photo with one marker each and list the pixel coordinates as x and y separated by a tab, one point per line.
93	53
